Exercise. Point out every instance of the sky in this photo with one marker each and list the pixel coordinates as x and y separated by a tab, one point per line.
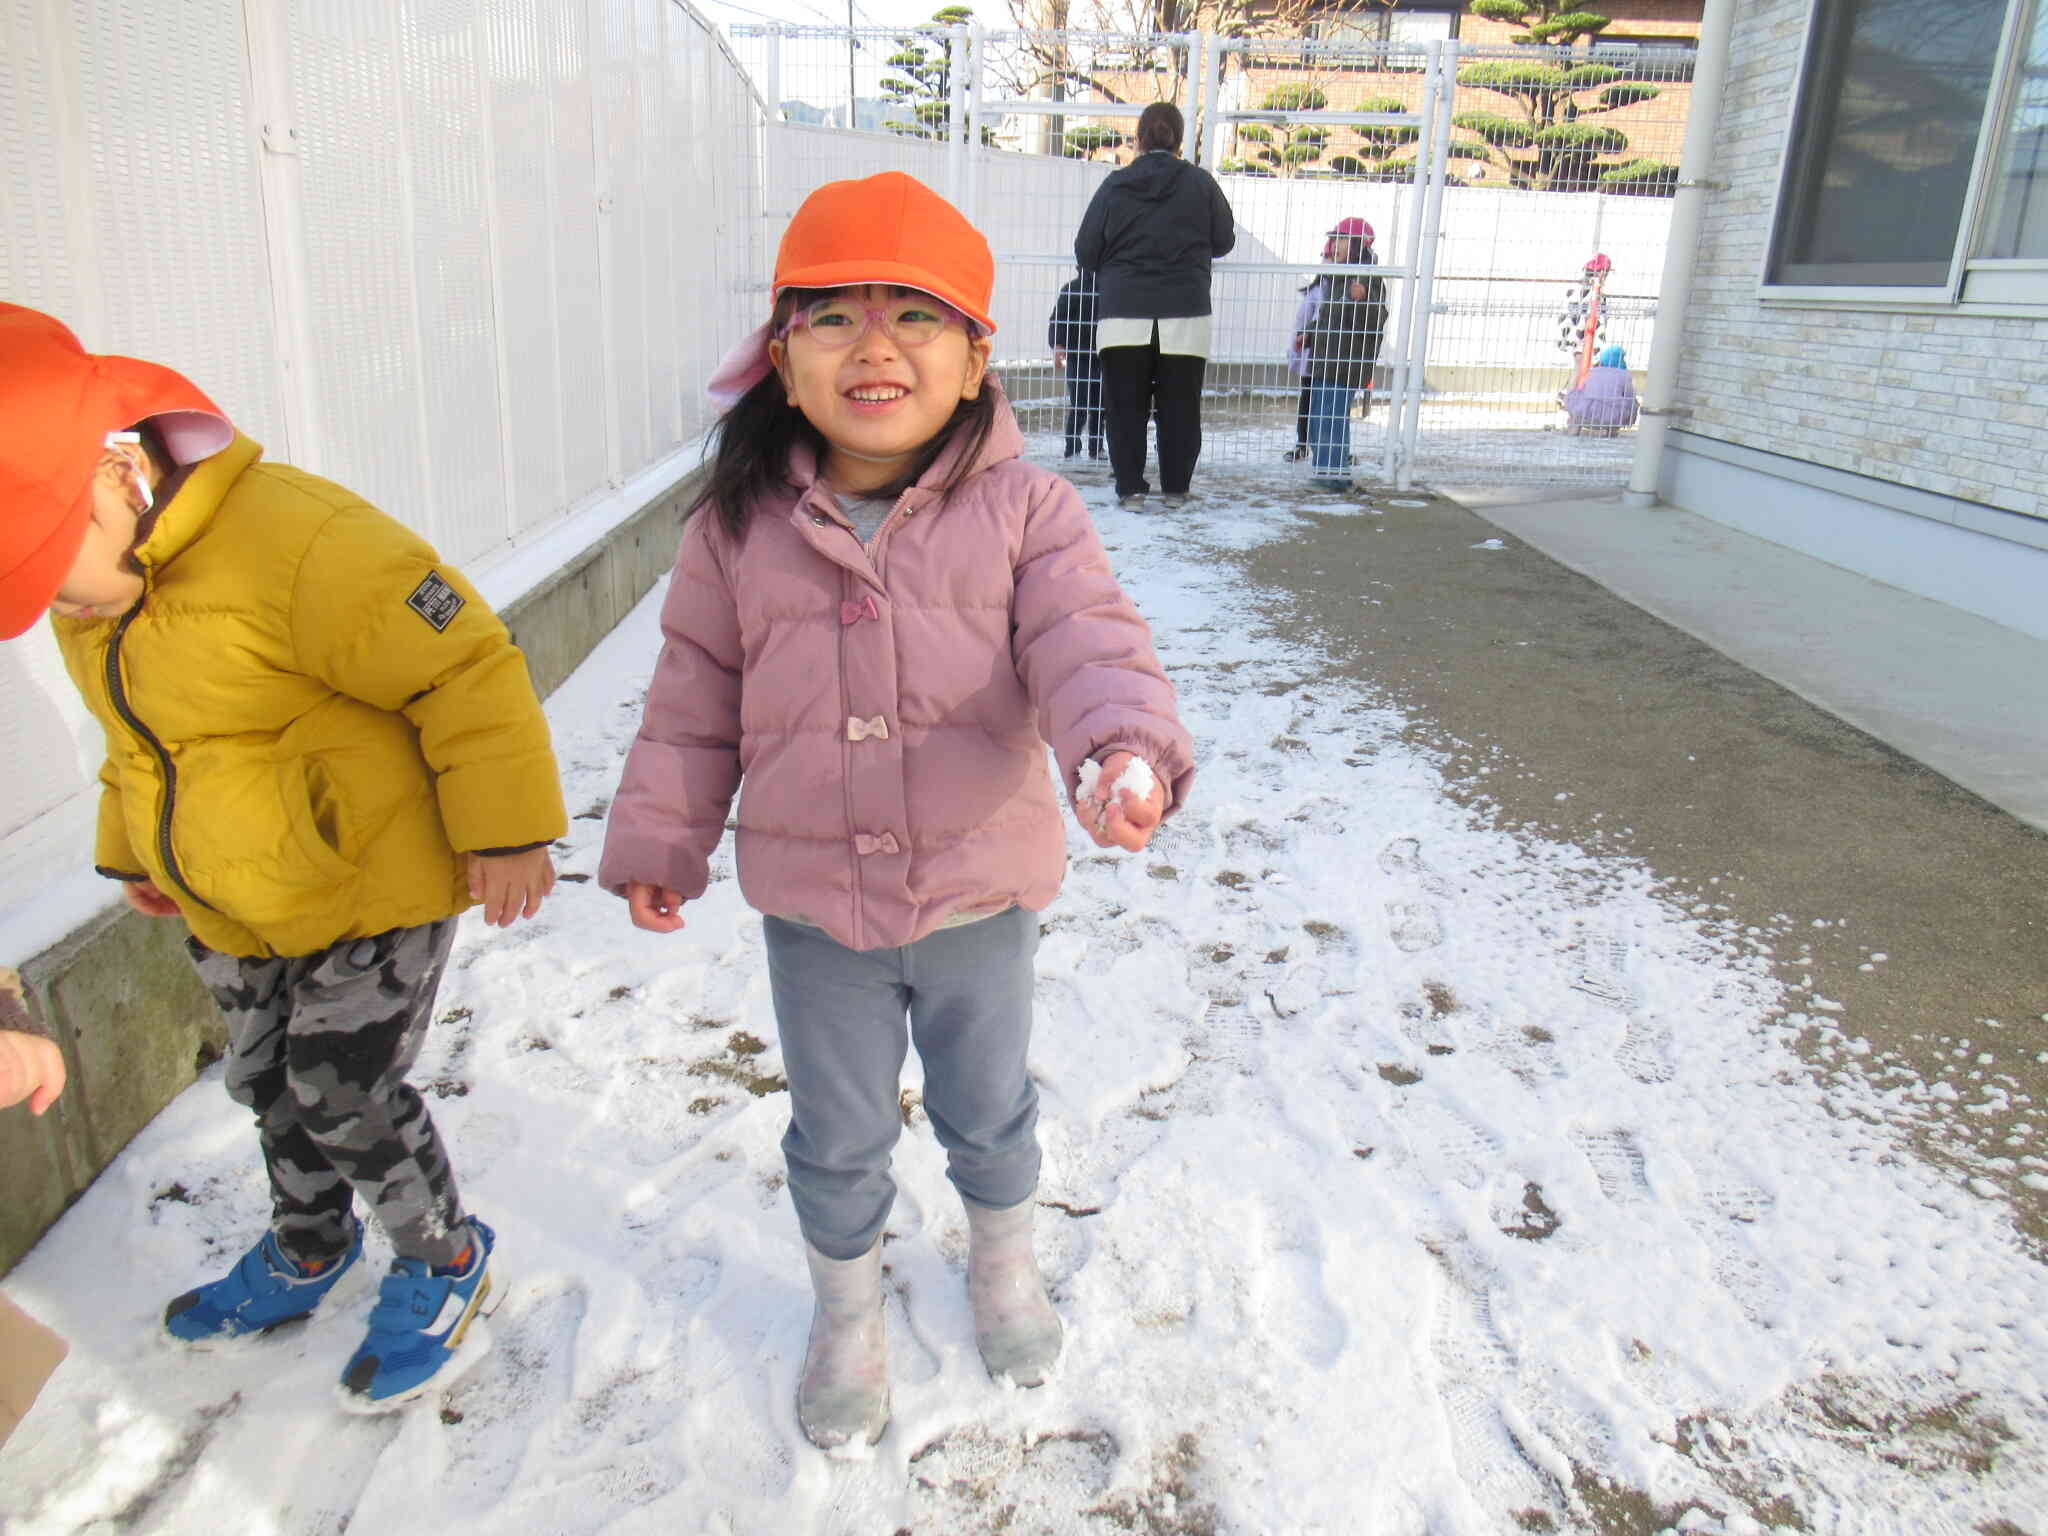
1404	1174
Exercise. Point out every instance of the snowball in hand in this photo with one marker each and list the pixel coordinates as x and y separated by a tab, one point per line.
1137	777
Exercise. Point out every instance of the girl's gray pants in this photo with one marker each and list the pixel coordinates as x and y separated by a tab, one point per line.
966	994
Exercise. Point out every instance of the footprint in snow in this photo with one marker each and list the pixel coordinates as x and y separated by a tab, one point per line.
1474	1368
1645	1051
736	1376
1747	1276
1450	1142
1529	1051
1604	973
1607	976
522	1384
1414	926
1403	858
1618	1163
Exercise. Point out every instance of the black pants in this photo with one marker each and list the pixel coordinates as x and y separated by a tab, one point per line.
1084	410
1301	417
1136	381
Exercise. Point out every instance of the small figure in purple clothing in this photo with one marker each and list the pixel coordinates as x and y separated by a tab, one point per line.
1606	401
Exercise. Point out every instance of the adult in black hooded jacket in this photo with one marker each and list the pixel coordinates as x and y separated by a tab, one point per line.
1150	234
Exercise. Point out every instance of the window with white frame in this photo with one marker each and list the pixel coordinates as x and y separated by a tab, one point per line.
1646	56
1916	167
1411	23
2015	225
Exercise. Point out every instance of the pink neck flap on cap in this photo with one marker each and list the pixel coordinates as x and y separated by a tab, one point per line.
190	436
744	366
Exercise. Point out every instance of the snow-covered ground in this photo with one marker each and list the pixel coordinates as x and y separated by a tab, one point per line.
1403	1175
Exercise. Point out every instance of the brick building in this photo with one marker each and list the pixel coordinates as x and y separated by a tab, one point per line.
1349	60
1865	359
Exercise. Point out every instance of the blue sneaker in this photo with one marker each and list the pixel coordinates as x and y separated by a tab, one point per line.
419	1325
265	1290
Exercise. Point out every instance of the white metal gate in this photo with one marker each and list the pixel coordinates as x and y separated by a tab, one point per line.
1483	232
1029	201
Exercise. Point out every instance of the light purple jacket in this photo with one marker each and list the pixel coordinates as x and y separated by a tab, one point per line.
1606	399
885	720
1304	317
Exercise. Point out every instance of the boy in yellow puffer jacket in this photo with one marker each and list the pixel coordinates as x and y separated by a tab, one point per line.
321	747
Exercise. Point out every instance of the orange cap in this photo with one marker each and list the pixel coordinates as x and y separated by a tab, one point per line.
58	402
890	228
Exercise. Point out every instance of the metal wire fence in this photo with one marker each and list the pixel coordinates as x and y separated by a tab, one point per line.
1496	312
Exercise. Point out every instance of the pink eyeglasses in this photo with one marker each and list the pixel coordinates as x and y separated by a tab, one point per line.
909	320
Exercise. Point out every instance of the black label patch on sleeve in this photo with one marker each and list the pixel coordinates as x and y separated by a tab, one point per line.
435	601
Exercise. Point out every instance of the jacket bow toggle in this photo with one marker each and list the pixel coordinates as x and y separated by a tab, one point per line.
851	612
858	729
865	843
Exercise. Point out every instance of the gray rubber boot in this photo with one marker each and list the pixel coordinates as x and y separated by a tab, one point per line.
1014	1323
843	1396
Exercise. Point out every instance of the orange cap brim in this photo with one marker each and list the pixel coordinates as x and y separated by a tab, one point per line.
26	590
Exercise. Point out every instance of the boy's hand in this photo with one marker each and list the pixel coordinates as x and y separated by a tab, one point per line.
31	1068
1121	821
1059	357
510	885
654	907
145	898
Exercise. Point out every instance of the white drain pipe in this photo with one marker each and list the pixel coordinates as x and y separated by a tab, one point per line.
1681	255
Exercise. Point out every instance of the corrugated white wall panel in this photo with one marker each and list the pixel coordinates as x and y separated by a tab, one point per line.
39	265
365	364
441	106
579	291
486	347
624	215
663	162
132	213
521	142
176	222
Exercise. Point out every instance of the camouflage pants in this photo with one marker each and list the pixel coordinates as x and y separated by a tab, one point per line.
318	1047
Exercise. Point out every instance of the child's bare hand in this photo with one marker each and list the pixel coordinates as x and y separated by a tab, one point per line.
31	1068
145	898
510	885
654	907
1125	820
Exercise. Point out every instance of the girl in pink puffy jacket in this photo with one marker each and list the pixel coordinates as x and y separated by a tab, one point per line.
879	617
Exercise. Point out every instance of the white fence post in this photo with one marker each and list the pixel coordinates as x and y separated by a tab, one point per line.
1214	64
1408	391
970	120
956	102
1436	135
774	72
269	52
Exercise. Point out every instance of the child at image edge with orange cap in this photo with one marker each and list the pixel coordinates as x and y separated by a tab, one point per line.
880	615
321	747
